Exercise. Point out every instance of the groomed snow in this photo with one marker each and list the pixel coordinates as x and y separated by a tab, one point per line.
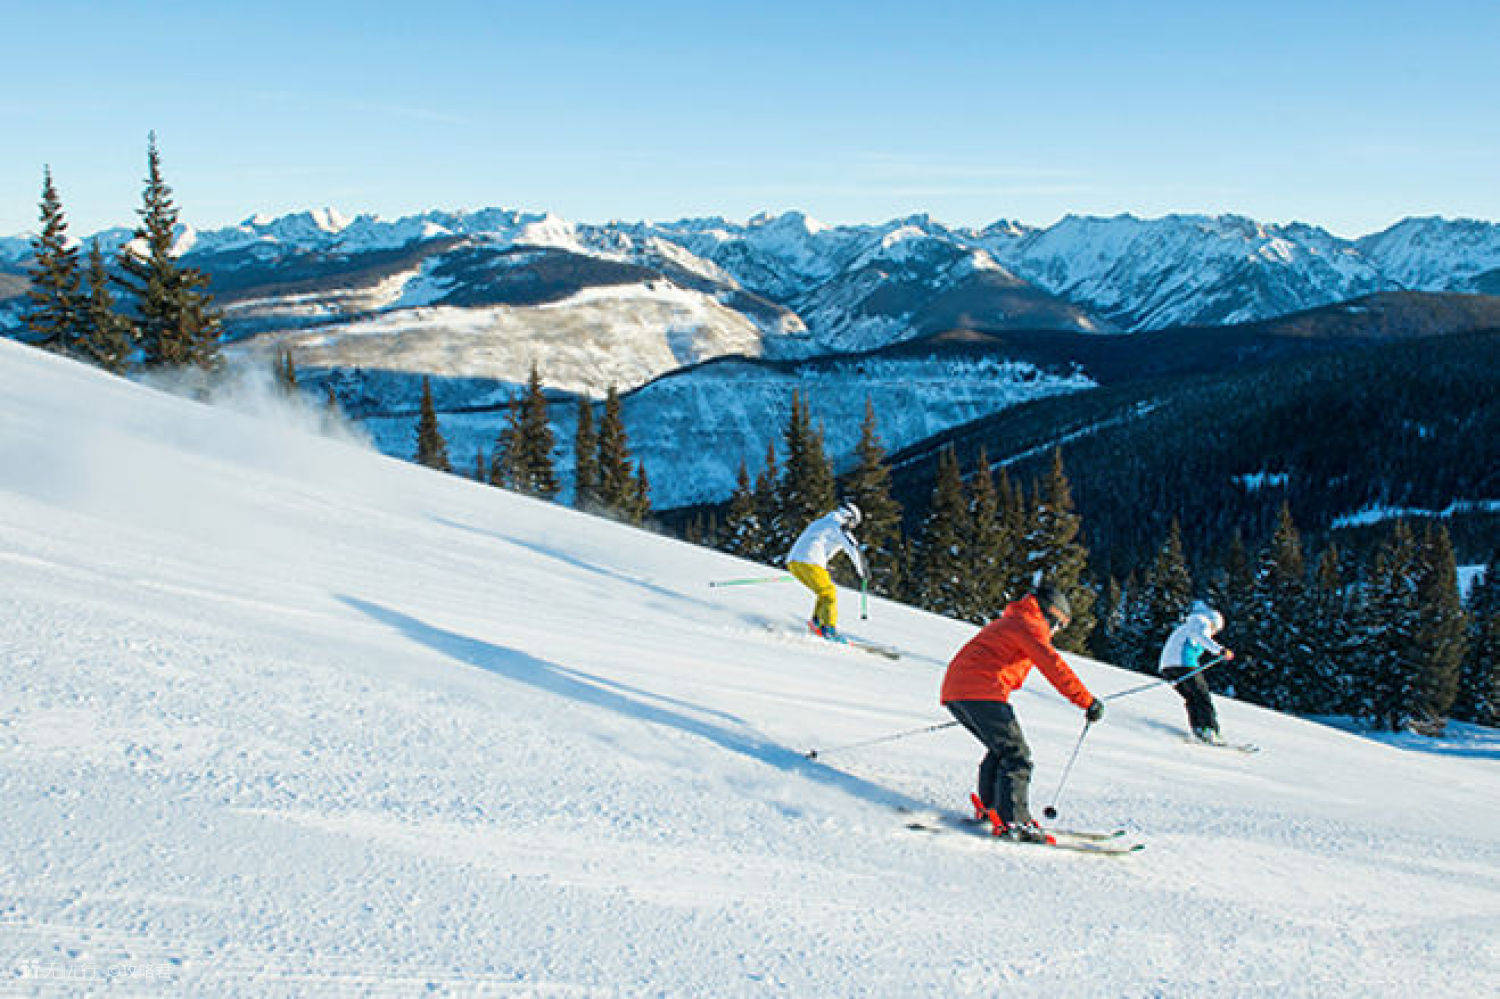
279	716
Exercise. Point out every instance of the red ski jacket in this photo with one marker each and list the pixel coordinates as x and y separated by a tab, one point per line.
997	660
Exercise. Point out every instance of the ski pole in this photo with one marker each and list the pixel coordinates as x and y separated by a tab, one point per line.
864	599
750	581
1163	682
812	754
1051	810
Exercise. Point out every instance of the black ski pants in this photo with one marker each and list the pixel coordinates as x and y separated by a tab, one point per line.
1200	706
1005	773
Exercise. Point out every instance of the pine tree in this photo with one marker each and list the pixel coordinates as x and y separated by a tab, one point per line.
987	546
1479	685
639	510
1441	636
1130	644
177	323
618	482
585	458
524	456
1232	594
741	522
1330	686
1017	521
105	336
806	488
770	545
942	550
1166	592
869	487
1106	644
432	449
1059	554
481	467
1279	659
52	315
1391	694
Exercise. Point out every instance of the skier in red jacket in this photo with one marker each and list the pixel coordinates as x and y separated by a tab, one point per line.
977	689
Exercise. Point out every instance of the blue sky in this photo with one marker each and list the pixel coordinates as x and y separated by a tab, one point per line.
1348	115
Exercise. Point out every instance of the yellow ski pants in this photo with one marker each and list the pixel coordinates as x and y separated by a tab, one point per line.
816	578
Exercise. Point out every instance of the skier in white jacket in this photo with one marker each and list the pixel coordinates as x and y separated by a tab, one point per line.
1182	654
808	560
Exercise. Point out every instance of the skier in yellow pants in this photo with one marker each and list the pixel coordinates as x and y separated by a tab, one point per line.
808	562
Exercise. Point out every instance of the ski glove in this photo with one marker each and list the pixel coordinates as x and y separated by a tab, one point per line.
1095	711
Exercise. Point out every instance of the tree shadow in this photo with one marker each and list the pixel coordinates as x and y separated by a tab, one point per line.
630	702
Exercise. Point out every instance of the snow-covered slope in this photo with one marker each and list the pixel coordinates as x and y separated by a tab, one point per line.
622	336
278	716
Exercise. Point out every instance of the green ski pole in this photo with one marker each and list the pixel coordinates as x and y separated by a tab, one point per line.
750	581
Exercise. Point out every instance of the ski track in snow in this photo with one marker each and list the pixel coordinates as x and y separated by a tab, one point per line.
282	717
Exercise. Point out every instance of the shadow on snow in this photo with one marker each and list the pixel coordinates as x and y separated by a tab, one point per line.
627	701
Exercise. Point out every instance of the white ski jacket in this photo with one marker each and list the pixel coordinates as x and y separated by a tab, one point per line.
1190	639
822	540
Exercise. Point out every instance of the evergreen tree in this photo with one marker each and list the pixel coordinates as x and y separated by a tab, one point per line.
586	458
1105	643
1135	640
987	547
177	323
432	449
869	487
619	484
525	457
1479	685
639	510
1393	680
806	487
942	554
52	315
741	523
1232	594
770	543
481	467
1060	555
1279	658
1015	533
1330	688
105	336
1130	643
1166	592
1441	636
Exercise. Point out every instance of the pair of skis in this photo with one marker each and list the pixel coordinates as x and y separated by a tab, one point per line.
874	648
862	644
1232	747
1116	842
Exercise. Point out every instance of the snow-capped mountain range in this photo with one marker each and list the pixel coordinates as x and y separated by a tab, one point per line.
813	288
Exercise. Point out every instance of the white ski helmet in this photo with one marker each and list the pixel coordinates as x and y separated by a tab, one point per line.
849	515
1215	618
